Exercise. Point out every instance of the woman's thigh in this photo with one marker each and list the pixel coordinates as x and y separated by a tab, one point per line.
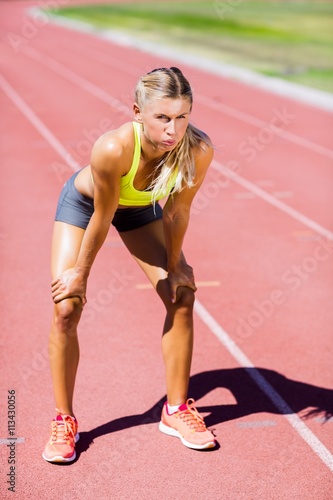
147	246
66	244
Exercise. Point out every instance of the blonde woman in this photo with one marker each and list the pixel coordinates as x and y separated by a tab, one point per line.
158	155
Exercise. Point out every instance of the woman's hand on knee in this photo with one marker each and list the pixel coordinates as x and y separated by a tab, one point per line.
181	276
69	284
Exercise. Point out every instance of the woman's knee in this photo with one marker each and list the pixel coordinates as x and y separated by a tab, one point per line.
185	300
67	313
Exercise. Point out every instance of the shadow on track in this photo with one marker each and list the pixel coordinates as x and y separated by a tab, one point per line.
305	399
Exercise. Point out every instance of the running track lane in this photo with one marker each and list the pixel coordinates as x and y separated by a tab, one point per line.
274	244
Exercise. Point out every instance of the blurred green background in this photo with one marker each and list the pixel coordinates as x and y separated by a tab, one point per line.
292	40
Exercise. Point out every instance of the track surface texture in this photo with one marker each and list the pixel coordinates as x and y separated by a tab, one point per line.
260	241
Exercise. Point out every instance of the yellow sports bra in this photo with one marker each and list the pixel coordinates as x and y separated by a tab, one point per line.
129	196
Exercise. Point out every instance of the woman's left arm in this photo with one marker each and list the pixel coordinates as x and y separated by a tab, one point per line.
176	214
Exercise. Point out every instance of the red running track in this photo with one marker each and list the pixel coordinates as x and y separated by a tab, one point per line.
261	245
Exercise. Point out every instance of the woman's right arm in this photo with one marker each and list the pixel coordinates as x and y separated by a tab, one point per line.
106	170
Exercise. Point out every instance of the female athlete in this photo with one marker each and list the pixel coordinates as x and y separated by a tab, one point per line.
159	155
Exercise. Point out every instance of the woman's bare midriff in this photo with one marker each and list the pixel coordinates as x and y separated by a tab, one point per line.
83	182
84	185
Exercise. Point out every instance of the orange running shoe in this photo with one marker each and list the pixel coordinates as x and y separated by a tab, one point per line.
64	435
188	425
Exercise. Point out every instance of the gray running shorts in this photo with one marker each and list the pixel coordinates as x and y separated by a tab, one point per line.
77	209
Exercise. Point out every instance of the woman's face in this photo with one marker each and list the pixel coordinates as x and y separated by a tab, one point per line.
164	122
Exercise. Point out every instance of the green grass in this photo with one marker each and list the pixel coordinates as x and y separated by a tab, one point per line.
291	40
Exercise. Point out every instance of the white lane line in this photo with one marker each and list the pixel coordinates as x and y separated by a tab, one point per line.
78	80
107	59
261	193
294	420
256	122
38	124
212	324
207	101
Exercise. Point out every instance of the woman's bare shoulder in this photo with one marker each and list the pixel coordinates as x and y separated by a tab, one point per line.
204	149
116	139
114	146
